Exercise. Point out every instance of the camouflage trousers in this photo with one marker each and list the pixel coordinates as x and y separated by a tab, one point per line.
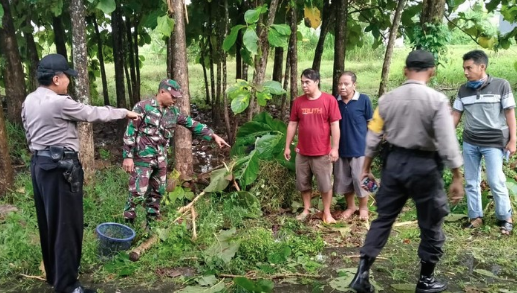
146	187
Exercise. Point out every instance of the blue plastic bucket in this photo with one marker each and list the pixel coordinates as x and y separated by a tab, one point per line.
114	237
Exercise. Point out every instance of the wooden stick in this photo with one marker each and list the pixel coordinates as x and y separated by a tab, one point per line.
187	207
278	276
358	256
135	254
33	277
404	223
194	232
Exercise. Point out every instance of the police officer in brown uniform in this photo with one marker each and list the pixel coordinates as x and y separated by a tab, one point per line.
417	124
50	119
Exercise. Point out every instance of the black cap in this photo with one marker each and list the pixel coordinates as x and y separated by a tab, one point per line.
420	59
53	63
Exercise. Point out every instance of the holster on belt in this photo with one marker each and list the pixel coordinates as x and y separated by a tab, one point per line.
70	167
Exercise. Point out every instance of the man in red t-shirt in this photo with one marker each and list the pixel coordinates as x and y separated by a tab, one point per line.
316	115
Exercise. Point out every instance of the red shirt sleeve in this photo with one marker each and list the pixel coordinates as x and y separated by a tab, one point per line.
294	112
335	114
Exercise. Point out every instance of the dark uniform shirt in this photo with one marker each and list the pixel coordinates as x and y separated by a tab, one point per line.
149	137
414	116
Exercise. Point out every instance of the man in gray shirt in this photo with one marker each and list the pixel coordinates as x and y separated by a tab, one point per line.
489	131
50	119
417	125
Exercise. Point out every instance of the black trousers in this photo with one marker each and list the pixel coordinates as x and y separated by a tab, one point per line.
418	175
60	222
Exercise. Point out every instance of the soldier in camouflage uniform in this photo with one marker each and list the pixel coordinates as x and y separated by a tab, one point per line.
145	147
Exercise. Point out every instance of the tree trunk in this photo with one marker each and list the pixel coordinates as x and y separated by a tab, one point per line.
32	53
170	54
128	84
205	78
432	12
340	42
225	77
7	174
59	35
389	50
278	64
261	62
182	137
82	88
118	56
283	105
13	71
238	57
325	27
212	71
293	54
131	58
100	56
137	59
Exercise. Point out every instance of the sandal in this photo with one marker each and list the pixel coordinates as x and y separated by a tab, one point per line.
474	223
506	227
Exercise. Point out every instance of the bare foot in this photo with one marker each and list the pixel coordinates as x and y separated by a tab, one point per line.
327	219
363	215
347	213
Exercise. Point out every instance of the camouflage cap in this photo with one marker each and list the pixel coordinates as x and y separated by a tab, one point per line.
172	87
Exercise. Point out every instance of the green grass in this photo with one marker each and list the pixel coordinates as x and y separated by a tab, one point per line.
367	64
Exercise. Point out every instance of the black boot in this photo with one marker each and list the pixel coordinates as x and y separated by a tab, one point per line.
361	281
427	283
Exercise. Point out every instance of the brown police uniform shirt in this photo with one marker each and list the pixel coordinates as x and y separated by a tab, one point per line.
414	116
50	119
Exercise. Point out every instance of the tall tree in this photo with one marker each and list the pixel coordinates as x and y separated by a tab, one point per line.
182	137
432	12
32	57
13	71
118	54
329	17
389	50
6	175
59	35
82	85
293	54
339	42
100	56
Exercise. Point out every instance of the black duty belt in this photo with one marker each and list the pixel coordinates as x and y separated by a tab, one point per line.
66	154
416	152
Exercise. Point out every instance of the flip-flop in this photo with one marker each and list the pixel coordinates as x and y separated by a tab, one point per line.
506	227
362	217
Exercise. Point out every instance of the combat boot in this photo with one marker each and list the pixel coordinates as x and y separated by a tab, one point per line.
427	283
361	281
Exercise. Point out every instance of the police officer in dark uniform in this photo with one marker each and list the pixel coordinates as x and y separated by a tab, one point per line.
417	124
50	119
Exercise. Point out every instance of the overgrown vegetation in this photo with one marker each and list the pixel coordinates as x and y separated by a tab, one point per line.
252	232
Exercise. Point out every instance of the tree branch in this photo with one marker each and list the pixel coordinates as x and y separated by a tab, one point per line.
461	29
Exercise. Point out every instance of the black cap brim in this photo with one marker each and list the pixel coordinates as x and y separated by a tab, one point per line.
71	72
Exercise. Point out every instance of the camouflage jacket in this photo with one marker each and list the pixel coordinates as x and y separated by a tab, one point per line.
149	137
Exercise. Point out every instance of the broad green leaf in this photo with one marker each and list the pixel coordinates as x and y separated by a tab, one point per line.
455	217
253	128
106	6
252	16
274	87
266	144
249	170
240	103
265	285
165	26
56	7
245	283
250	40
282	29
218	181
275	39
224	248
263	97
232	37
246	56
198	289
207	280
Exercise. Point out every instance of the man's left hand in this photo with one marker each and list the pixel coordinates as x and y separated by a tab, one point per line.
334	155
511	146
221	142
